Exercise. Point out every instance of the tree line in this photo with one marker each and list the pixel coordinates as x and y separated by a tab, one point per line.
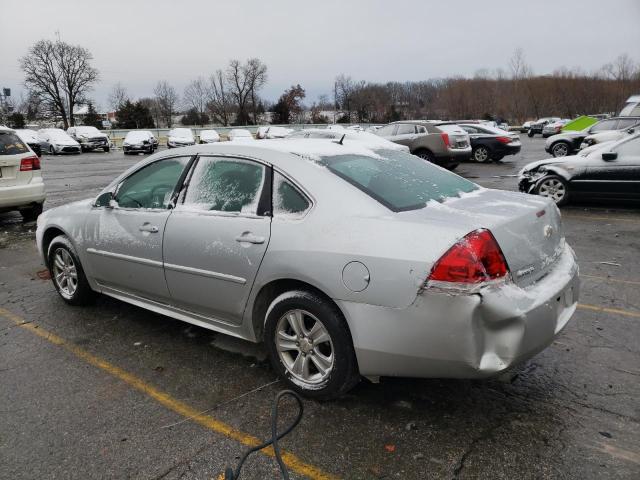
60	76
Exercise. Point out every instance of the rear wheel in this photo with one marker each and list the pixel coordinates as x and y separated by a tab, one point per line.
310	345
67	274
425	155
481	154
560	149
555	188
530	133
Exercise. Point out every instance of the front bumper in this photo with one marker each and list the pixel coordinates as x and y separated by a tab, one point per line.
66	149
18	196
465	336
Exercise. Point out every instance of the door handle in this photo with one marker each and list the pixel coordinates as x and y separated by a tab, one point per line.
145	227
249	237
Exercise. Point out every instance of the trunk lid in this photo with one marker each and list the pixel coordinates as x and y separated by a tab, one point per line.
527	228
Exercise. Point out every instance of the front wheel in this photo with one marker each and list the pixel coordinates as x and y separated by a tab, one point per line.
425	155
481	154
66	271
310	345
560	149
555	188
106	149
530	133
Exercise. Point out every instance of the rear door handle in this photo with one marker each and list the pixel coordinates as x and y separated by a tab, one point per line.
145	227
249	237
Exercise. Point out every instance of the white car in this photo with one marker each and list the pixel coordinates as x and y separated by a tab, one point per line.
89	138
608	136
180	137
31	138
240	135
138	141
209	136
56	141
21	185
371	140
273	132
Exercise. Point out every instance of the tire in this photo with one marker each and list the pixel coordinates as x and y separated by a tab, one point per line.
530	133
555	188
63	263
425	155
481	154
560	149
150	151
51	150
106	149
331	365
32	213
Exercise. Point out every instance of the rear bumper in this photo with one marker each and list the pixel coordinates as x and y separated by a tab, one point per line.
507	149
465	336
17	196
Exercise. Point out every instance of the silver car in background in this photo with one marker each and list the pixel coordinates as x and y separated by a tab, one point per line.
346	260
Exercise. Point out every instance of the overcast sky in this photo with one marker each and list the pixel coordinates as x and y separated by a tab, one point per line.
140	42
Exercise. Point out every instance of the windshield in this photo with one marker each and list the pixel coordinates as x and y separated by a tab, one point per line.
398	180
181	132
87	130
27	135
136	137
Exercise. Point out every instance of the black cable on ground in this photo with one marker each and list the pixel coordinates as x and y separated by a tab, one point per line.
230	474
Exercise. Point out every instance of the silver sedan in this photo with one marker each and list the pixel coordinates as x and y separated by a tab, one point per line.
345	260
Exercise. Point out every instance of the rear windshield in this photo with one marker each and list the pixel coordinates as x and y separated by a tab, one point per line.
398	180
10	144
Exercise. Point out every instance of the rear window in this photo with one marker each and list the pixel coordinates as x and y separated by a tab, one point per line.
451	129
398	180
10	144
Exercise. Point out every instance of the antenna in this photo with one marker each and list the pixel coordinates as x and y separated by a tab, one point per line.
342	139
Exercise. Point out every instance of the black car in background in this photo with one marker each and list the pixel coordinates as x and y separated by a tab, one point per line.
568	143
31	138
489	143
538	125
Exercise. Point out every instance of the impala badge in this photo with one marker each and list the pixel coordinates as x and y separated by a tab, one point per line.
548	231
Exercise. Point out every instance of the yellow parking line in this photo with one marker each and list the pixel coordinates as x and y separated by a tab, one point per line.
616	311
609	279
293	462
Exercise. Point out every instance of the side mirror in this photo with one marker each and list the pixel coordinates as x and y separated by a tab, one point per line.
631	130
105	200
609	156
145	142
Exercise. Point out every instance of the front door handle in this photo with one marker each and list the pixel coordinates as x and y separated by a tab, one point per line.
248	237
146	227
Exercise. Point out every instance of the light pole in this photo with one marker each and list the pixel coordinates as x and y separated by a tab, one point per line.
4	108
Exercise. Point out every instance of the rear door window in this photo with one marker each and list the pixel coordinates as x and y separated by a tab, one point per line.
398	180
10	144
387	130
406	129
603	126
225	185
288	200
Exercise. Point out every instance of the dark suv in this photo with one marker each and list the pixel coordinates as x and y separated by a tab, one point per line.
568	143
438	142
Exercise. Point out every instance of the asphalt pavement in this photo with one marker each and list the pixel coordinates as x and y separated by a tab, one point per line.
113	391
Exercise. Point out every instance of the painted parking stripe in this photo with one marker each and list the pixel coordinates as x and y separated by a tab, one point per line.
615	311
609	279
599	218
294	463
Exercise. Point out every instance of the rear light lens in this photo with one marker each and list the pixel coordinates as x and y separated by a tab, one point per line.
504	139
29	163
445	139
475	259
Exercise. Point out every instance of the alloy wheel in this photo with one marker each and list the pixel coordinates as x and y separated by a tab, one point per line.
65	273
560	150
552	188
481	154
304	347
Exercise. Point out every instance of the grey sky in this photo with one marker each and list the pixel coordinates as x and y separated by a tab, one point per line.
139	42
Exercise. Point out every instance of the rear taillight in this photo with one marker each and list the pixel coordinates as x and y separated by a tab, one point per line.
475	259
504	139
445	139
29	163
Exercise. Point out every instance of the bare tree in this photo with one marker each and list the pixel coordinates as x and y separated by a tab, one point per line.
117	97
167	99
256	72
218	98
59	73
195	97
244	81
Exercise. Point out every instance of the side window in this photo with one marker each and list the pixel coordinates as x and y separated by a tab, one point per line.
421	129
406	129
469	129
630	148
603	125
287	200
153	185
626	123
10	144
225	185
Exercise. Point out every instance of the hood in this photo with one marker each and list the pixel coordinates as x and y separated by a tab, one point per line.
548	161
